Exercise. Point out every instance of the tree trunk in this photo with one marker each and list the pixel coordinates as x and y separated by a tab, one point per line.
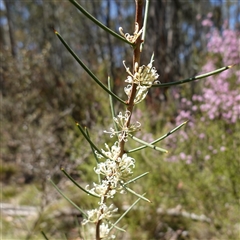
10	28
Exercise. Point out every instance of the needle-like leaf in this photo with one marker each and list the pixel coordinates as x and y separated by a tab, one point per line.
144	24
134	193
95	155
135	179
148	144
111	104
87	69
72	180
63	195
93	150
193	78
89	140
44	235
88	15
159	139
125	213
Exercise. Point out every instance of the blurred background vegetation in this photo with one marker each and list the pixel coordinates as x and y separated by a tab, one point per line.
194	189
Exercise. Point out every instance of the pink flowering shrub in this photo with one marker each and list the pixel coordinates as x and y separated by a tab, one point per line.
219	97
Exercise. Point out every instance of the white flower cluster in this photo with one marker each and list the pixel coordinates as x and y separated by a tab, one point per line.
115	170
134	37
122	122
103	212
144	77
89	232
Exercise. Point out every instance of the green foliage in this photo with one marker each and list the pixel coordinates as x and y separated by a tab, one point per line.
7	171
204	187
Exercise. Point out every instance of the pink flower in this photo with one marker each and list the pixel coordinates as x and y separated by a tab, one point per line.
207	23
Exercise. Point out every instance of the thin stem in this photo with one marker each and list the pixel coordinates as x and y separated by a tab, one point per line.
130	102
136	60
136	53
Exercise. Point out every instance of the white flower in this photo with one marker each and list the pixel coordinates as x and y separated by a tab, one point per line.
93	216
128	90
103	212
122	122
115	171
112	152
126	164
105	189
107	212
90	232
108	168
141	93
143	76
104	230
134	37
